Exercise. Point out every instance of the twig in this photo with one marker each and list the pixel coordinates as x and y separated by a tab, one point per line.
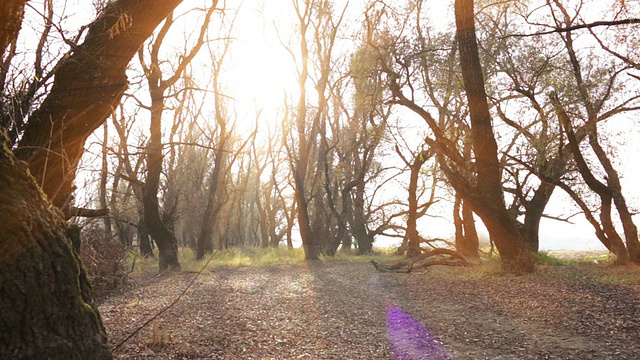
166	307
581	26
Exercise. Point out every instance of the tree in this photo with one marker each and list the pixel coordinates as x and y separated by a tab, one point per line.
479	183
415	210
120	204
315	19
486	196
613	189
46	297
158	85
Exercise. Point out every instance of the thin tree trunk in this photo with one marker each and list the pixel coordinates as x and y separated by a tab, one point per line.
104	173
209	218
458	224
161	234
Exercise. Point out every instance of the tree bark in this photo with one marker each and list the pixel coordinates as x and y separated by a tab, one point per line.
534	209
144	243
46	302
11	13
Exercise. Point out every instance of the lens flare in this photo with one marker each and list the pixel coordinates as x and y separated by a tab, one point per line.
409	339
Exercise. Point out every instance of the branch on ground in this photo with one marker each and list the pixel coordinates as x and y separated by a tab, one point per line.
428	258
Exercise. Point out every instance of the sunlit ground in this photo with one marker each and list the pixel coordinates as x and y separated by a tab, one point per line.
269	303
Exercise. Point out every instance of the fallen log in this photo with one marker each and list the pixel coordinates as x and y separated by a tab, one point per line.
428	258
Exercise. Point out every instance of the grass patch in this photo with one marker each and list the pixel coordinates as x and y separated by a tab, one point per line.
378	254
544	258
252	257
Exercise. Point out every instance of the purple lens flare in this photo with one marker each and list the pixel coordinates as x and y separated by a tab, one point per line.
409	339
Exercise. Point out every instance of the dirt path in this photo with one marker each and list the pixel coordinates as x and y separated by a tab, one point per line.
347	310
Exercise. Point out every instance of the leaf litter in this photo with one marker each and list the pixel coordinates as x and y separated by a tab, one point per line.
338	310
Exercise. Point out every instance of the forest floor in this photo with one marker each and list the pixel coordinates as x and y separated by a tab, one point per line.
348	310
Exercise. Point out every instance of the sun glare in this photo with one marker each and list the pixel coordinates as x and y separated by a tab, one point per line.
260	70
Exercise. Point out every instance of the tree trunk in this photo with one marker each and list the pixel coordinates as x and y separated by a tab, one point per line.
46	299
614	239
104	172
161	234
413	245
488	200
470	232
144	243
263	222
359	226
467	242
308	242
47	307
458	224
412	234
209	218
534	209
609	234
613	182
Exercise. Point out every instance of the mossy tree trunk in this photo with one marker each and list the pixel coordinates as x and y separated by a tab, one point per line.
46	303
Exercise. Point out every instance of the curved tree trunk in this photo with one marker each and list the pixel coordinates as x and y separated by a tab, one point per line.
412	234
613	182
608	233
